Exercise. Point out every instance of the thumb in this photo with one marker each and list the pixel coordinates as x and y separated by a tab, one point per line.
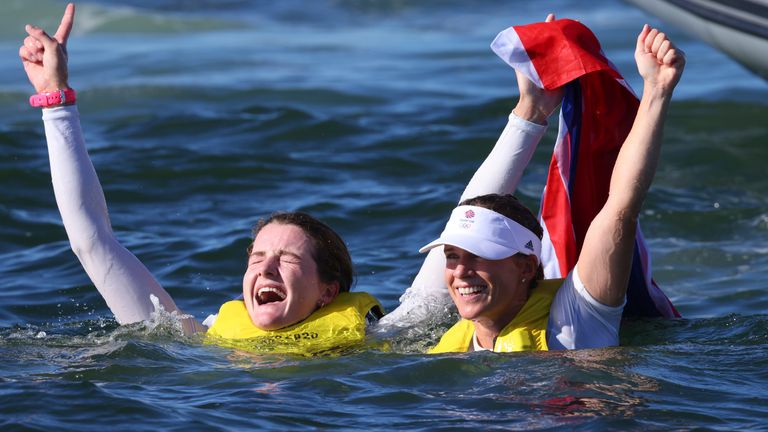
640	47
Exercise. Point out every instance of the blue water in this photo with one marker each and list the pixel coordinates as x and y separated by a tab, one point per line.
202	117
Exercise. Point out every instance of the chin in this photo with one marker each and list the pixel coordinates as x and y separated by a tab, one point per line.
469	313
267	320
273	324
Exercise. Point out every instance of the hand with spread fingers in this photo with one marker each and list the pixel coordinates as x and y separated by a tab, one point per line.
45	57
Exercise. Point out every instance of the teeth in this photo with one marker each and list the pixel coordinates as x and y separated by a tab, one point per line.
469	290
271	289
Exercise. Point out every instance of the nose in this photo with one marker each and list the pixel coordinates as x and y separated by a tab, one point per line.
462	269
268	265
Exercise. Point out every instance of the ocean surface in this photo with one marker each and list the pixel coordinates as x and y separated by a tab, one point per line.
202	117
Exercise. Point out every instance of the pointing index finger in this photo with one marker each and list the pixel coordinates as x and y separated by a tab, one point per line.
62	33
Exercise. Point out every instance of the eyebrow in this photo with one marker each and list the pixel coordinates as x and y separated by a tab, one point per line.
450	248
279	253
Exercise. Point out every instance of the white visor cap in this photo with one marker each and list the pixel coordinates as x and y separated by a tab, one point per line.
486	234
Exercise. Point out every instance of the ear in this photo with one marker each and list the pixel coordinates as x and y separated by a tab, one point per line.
529	266
329	292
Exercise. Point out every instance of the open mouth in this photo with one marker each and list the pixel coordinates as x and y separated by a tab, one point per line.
471	290
269	295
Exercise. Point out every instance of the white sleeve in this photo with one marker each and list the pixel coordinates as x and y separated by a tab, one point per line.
503	167
210	320
123	281
578	321
499	173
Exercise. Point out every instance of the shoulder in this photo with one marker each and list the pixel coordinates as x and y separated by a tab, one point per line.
456	339
579	321
574	290
232	306
548	287
232	315
364	303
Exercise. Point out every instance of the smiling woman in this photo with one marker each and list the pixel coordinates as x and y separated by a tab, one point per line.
493	244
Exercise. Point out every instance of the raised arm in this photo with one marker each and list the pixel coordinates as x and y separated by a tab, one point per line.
605	260
123	281
502	169
499	173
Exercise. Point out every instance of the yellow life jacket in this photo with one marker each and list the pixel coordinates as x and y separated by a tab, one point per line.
338	324
526	332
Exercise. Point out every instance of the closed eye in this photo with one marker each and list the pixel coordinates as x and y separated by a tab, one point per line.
256	258
284	257
290	259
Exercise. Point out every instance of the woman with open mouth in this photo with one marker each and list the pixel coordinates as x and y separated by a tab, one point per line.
295	289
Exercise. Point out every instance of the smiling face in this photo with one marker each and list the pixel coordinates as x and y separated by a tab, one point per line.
281	285
489	292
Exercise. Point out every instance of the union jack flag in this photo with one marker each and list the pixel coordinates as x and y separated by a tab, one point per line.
596	115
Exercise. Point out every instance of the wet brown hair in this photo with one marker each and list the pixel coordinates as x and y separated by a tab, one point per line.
334	264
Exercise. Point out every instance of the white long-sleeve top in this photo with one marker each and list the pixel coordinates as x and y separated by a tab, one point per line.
123	281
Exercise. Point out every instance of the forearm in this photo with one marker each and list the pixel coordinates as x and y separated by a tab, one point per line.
502	169
639	155
121	279
78	193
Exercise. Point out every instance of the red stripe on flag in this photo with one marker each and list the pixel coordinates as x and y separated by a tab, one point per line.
562	51
556	215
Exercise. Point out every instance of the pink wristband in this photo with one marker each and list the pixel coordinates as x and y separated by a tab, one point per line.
49	99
